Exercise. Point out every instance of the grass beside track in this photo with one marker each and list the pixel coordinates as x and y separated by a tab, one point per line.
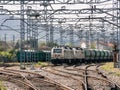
42	64
2	87
109	67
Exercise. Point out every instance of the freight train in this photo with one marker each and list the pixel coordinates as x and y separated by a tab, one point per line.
75	55
33	56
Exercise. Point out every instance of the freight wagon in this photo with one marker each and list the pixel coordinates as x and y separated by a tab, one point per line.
33	56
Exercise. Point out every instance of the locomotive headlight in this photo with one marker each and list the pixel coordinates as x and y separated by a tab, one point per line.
55	55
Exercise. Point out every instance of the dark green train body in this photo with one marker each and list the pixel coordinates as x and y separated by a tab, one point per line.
33	56
95	55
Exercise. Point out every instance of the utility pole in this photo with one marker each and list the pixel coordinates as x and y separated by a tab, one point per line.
115	55
5	42
61	34
71	31
22	36
13	40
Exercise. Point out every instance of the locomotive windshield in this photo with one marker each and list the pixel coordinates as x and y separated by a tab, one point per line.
57	51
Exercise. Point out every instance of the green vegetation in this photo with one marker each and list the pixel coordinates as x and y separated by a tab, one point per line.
42	64
7	56
49	44
2	87
93	45
109	67
1	48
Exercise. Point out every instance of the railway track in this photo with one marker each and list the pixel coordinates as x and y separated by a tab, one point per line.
117	87
96	82
61	78
93	80
72	81
17	79
30	80
95	77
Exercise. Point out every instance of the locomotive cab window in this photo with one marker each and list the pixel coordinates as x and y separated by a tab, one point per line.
57	51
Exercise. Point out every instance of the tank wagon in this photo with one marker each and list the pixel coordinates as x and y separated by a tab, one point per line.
61	55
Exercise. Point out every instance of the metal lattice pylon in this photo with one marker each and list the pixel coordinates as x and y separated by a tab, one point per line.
22	37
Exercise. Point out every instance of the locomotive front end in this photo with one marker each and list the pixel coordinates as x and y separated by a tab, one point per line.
56	55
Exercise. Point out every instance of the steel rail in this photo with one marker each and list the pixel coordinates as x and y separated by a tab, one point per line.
9	78
47	79
67	76
117	87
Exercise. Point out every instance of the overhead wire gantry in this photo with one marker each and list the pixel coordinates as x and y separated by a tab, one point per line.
54	14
